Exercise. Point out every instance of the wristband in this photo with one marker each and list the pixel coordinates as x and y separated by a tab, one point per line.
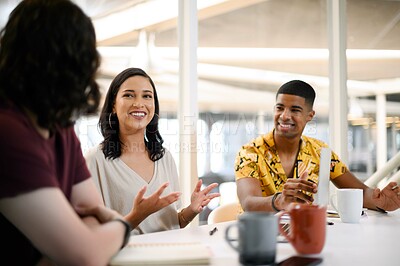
273	201
127	231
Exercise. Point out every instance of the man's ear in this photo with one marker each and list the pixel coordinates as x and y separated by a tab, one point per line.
310	115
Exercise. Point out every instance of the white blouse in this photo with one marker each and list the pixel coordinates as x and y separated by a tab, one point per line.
119	184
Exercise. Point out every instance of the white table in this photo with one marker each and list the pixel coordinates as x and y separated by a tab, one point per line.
374	241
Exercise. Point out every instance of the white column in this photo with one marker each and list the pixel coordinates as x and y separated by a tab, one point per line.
381	137
337	18
188	111
141	56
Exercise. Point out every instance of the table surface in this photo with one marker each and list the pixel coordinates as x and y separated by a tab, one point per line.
373	241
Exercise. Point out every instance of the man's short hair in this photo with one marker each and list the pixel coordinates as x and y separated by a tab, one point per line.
298	88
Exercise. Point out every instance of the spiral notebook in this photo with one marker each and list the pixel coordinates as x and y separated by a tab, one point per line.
163	254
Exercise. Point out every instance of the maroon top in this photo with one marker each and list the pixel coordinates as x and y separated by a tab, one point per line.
29	162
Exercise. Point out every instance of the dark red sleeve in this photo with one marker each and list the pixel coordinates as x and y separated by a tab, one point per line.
29	162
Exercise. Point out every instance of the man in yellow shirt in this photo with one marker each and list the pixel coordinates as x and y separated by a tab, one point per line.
282	166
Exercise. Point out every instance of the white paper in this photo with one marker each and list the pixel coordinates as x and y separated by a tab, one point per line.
322	196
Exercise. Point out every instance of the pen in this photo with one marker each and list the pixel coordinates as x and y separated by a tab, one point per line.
213	231
396	186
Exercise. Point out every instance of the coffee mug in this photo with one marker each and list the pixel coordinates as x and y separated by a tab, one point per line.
307	228
258	232
349	204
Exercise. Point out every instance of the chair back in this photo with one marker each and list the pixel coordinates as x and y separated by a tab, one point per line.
224	213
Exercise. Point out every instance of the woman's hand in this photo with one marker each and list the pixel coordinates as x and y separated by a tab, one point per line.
200	198
154	202
144	206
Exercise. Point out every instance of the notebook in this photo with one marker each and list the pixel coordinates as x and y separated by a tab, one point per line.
163	254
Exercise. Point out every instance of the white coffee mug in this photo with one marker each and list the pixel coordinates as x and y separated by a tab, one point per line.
348	202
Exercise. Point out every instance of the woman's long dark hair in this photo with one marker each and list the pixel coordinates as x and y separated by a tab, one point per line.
109	125
48	61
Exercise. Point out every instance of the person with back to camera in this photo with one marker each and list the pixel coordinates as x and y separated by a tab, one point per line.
50	209
273	170
131	159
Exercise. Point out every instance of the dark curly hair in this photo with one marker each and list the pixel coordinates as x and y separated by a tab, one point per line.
48	62
109	126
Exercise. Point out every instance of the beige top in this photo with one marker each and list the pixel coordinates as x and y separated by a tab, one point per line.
119	185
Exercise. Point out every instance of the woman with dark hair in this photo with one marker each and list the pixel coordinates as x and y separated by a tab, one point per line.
50	209
132	160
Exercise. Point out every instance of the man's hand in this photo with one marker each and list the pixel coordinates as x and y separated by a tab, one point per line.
389	198
295	191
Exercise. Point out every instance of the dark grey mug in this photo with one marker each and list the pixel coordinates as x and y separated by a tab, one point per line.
257	238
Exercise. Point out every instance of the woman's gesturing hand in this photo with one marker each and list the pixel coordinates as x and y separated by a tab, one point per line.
153	203
200	198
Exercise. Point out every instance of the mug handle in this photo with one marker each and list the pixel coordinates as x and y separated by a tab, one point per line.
229	239
280	227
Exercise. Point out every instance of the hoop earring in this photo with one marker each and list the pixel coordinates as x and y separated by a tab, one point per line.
109	120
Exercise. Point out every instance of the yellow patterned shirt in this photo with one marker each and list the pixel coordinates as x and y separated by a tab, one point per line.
259	159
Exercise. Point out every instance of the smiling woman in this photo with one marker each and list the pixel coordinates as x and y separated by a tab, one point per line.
134	105
131	162
131	90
